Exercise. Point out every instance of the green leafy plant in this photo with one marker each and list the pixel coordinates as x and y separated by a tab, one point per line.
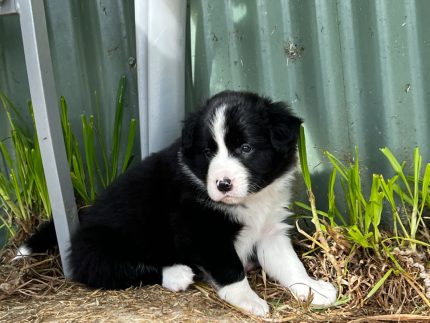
360	224
23	191
414	198
364	215
95	167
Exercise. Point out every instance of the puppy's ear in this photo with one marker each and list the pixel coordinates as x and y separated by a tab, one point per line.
285	127
188	131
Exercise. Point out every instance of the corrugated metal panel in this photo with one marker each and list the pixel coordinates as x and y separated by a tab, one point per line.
356	71
92	45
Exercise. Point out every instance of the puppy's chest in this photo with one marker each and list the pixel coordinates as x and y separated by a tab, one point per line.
260	221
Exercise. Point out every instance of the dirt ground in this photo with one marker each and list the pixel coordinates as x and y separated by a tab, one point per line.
33	290
73	303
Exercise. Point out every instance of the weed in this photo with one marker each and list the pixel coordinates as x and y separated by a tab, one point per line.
93	169
413	197
361	222
23	191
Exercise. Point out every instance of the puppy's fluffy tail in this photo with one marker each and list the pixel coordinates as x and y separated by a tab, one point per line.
40	241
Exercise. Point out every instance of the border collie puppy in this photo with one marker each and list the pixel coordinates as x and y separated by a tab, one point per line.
214	204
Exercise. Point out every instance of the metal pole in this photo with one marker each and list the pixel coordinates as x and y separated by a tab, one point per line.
160	45
47	118
141	22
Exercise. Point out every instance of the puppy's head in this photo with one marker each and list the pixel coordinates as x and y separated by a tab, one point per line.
239	143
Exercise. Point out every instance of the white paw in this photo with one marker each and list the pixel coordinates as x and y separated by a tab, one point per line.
22	252
242	296
323	293
177	278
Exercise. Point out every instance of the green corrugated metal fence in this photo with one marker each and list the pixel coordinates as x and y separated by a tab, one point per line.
356	71
92	45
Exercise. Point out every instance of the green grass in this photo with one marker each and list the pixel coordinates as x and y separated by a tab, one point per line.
23	191
95	167
413	193
405	197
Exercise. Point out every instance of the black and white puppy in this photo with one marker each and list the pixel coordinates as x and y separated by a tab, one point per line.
212	204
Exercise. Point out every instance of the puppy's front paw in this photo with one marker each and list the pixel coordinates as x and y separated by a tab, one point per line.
323	293
177	278
22	252
241	295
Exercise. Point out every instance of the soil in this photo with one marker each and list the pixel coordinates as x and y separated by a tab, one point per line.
34	290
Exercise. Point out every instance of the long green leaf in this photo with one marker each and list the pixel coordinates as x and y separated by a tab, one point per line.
397	168
6	155
130	143
425	187
308	208
67	130
117	127
379	284
102	172
88	134
304	159
340	167
331	197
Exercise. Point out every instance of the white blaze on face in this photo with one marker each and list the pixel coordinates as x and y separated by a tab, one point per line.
223	166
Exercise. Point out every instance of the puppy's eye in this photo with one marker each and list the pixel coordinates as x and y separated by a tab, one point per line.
246	149
207	152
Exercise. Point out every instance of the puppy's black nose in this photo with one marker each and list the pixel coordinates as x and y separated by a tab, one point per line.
224	185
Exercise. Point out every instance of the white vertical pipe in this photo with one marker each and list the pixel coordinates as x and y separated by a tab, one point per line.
141	22
160	45
47	119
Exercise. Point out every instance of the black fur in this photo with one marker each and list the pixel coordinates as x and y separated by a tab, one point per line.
43	239
156	215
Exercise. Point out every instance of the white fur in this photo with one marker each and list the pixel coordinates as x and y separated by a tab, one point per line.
261	213
241	295
323	294
263	217
278	258
177	278
22	252
222	165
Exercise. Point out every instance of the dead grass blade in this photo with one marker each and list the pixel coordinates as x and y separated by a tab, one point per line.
393	318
